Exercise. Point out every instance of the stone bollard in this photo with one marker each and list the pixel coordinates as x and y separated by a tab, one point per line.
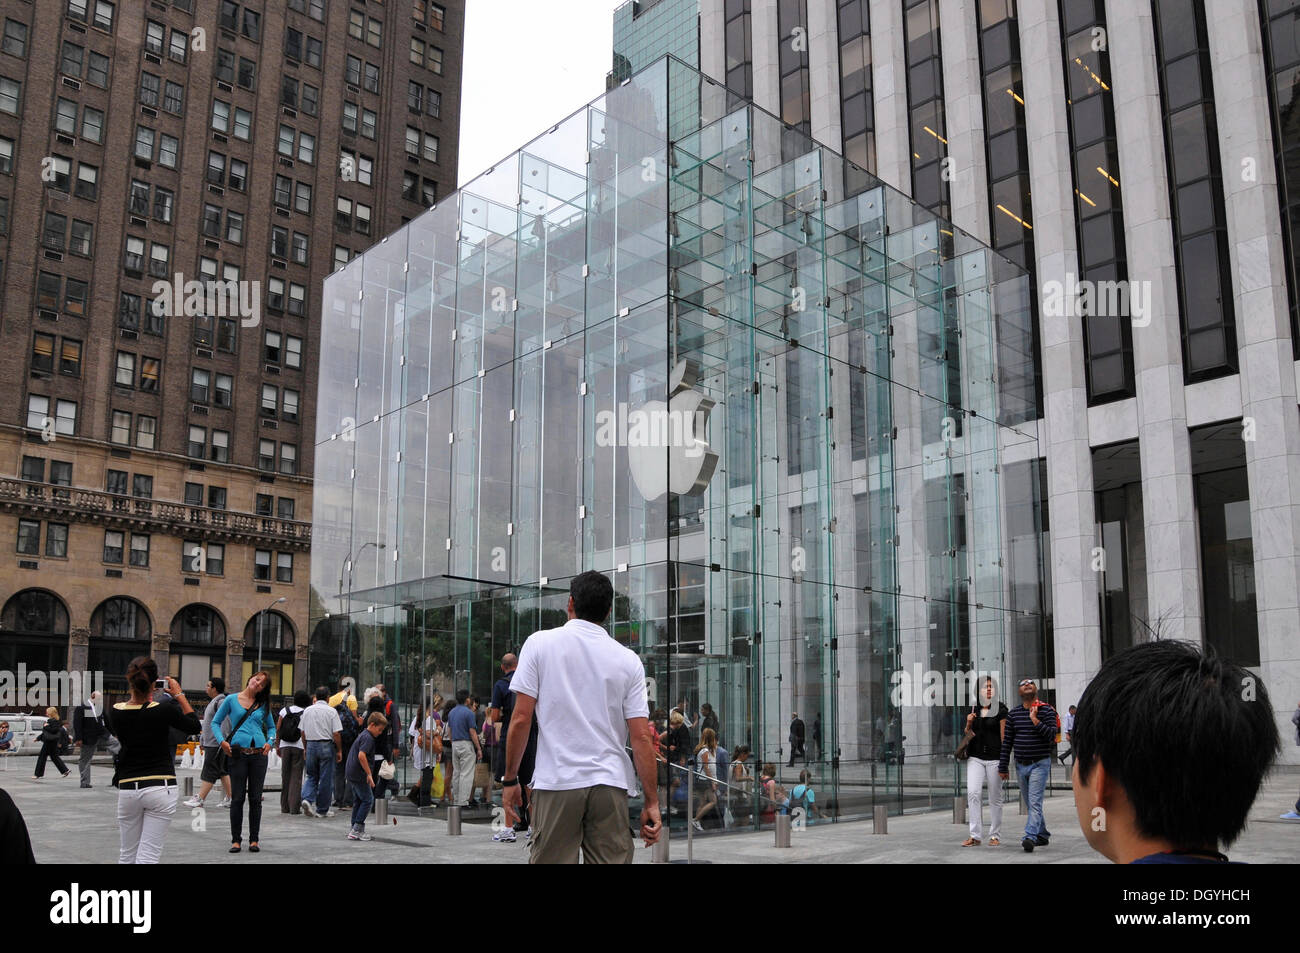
959	810
880	819
381	811
453	820
783	830
188	787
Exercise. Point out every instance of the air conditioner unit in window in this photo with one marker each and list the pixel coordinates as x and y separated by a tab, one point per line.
225	87
272	369
129	335
270	425
64	140
199	409
203	352
153	58
142	223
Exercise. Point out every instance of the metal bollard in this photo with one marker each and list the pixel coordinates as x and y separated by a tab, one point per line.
381	811
880	819
659	852
453	820
188	787
1024	801
783	830
959	810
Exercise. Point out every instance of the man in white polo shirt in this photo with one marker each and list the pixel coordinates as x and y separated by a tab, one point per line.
589	695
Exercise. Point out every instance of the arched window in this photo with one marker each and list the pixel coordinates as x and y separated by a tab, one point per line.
35	612
198	625
121	618
271	630
34	632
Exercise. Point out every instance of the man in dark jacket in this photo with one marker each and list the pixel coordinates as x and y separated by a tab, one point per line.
1031	734
796	739
89	734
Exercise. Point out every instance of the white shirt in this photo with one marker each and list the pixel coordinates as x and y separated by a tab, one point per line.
319	722
423	758
586	686
291	710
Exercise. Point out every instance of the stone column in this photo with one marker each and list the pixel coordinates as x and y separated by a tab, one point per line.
1064	435
1268	375
1173	582
234	664
889	90
824	74
963	89
78	648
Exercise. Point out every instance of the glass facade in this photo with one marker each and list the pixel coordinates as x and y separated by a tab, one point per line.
677	352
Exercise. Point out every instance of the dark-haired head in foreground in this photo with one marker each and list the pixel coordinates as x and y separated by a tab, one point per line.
1171	744
591	595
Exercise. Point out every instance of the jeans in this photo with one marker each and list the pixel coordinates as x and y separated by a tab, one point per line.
290	780
462	776
247	775
1033	781
342	789
142	818
362	799
978	771
318	787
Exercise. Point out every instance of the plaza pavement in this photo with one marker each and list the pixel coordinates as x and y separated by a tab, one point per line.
71	825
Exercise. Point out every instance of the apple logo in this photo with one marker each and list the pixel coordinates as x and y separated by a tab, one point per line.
666	449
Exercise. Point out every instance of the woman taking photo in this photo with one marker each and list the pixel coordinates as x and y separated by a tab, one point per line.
53	737
252	731
988	720
146	765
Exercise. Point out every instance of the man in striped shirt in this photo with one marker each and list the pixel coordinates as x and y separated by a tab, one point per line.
1031	734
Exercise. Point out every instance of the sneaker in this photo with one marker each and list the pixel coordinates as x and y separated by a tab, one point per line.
1289	816
505	836
970	842
329	814
36	777
994	842
225	802
193	802
359	835
1028	844
529	834
309	809
697	825
1041	841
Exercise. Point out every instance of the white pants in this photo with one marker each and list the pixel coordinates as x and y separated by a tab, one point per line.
462	775
977	770
143	816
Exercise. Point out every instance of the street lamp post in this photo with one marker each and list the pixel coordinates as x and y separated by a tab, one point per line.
261	625
346	566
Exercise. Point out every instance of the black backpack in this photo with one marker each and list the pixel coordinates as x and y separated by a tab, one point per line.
289	730
349	728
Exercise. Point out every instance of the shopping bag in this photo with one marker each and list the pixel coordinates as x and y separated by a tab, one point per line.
436	789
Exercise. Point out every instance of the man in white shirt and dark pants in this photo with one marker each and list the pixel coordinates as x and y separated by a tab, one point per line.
589	695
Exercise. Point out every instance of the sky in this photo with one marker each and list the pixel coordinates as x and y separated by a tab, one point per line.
528	64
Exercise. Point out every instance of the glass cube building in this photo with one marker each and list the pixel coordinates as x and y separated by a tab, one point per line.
672	340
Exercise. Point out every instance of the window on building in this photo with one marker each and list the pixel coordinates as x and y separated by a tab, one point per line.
56	540
266	455
220	446
284	567
262	565
113	542
146	432
29	537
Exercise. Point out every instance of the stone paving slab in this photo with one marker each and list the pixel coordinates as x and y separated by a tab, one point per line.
72	825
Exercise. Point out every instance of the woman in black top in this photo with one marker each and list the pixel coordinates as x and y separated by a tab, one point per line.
52	738
383	750
988	720
146	765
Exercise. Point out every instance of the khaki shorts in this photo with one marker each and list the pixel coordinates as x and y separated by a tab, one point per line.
595	819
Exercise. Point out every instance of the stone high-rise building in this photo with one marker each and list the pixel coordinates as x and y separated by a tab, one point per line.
176	180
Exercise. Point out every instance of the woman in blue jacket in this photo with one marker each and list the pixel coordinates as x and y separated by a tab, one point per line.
252	729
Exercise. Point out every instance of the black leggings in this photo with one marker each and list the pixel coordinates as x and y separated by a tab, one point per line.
247	775
49	749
